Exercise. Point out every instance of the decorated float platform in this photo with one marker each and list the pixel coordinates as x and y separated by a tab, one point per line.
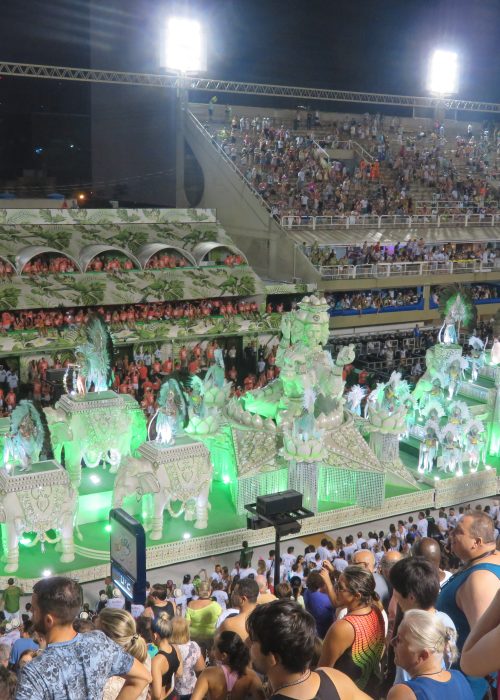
188	475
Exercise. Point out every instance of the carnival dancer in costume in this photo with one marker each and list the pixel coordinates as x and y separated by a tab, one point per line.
26	437
428	448
458	413
495	352
171	413
451	449
457	309
455	374
475	444
355	397
433	410
95	358
477	357
196	396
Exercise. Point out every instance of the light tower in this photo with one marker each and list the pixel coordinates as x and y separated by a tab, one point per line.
184	52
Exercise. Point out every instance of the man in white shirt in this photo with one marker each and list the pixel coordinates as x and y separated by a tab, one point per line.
350	547
220	595
310	557
289	558
422	524
245	572
322	549
340	563
371	541
361	540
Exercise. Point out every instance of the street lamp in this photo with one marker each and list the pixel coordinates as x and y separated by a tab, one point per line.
184	52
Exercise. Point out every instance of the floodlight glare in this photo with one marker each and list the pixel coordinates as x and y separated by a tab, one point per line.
185	50
443	72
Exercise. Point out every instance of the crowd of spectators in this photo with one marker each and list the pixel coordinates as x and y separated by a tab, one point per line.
126	316
379	613
48	264
373	301
401	252
295	175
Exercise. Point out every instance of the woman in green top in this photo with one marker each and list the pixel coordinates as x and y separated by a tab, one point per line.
203	614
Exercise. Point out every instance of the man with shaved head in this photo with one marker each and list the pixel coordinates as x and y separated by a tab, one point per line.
429	549
366	559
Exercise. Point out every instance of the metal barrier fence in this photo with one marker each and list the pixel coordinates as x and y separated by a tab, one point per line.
302	222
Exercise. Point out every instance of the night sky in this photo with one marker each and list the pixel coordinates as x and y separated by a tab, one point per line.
361	45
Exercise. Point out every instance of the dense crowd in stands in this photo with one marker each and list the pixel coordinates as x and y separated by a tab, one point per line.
125	316
295	175
377	614
386	299
56	264
48	264
407	251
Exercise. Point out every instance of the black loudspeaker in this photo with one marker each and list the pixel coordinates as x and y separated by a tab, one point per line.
277	503
55	376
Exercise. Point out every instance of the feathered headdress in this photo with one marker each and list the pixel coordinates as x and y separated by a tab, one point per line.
433	405
462	407
356	395
97	355
476	343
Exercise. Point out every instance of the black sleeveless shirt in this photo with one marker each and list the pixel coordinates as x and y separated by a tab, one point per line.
326	690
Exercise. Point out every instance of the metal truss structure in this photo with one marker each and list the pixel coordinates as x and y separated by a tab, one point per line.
31	70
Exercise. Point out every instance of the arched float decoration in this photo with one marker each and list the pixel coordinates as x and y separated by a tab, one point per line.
147	251
27	254
201	251
88	253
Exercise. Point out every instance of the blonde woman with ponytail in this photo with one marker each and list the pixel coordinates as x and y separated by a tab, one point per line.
119	625
421	646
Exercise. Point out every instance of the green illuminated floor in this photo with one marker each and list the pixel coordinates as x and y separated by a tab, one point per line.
222	518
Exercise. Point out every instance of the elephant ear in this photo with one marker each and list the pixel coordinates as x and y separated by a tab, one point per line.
3	515
148	483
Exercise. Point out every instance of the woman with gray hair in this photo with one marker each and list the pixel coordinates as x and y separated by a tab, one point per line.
421	645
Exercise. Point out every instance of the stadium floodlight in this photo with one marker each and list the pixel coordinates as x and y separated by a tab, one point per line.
443	73
185	47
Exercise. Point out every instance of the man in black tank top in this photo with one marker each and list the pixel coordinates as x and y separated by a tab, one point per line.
283	646
159	602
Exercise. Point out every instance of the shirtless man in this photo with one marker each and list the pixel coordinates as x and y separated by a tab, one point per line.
244	598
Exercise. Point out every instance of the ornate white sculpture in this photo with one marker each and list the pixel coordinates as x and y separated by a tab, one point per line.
37	502
182	473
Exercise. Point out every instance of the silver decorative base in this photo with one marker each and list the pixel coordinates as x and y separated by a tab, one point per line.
41	474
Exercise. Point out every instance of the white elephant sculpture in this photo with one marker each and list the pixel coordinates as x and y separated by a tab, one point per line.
26	506
168	482
93	438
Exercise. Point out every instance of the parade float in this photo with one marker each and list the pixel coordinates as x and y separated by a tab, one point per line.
204	455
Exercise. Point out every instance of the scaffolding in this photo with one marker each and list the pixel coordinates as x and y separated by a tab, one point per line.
32	70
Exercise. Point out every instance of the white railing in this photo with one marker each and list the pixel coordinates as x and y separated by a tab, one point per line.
398	269
291	222
447	204
353	145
